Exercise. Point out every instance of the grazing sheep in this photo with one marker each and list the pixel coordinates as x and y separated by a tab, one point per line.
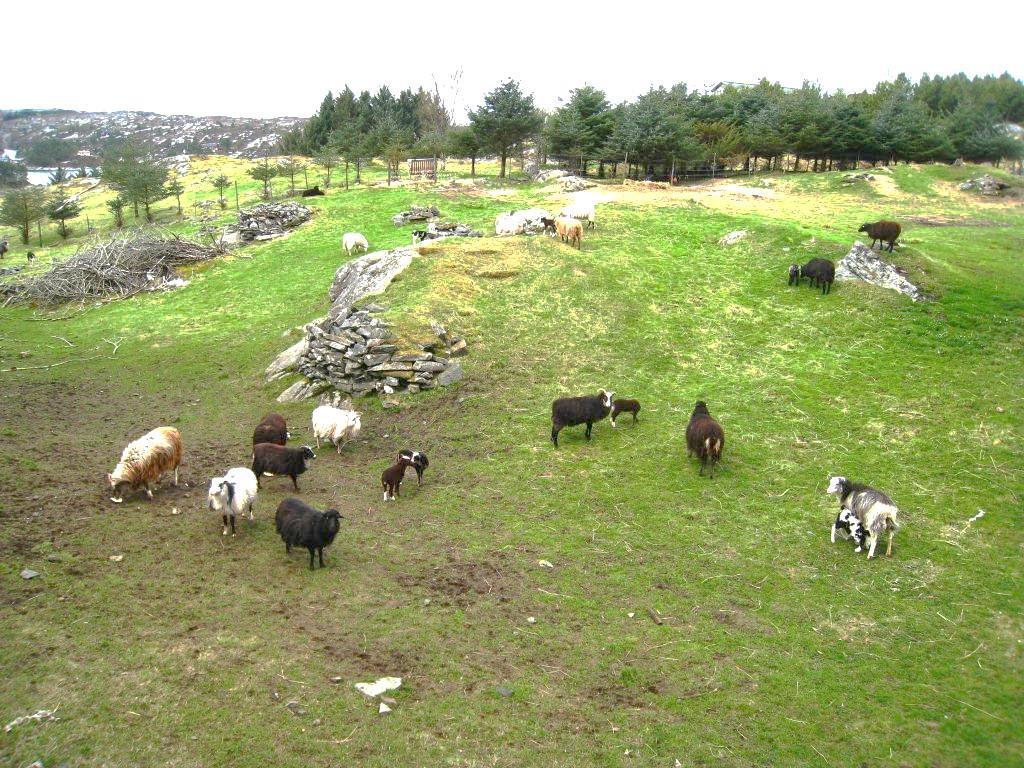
875	511
625	406
549	226
233	494
335	425
849	526
144	460
280	460
817	271
4	247
391	478
419	462
272	429
882	232
705	437
581	211
570	230
302	526
572	411
352	240
314	191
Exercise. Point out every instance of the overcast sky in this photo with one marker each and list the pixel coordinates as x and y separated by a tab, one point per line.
268	59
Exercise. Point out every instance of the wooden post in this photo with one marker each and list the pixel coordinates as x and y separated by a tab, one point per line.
39	231
236	195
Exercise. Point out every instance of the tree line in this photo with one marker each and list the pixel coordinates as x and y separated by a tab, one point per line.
757	126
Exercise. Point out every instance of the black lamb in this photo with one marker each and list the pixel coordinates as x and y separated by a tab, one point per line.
280	460
418	460
302	526
818	272
571	411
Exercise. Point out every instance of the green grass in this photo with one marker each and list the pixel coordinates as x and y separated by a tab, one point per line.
775	647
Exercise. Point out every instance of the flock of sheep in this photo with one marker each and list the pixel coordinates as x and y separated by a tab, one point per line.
864	512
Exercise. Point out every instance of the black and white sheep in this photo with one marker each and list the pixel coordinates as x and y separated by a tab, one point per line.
272	429
418	460
572	411
818	272
704	437
872	508
280	460
882	232
233	494
302	526
625	406
849	526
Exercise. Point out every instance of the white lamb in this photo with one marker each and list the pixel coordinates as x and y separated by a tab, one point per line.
352	240
335	425
581	210
233	494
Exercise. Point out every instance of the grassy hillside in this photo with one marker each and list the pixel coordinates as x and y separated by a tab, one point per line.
774	647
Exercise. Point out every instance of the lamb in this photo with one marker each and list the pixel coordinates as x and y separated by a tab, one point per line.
818	272
549	226
302	526
272	429
705	437
335	425
581	211
882	232
572	411
233	494
625	406
144	460
391	478
849	526
30	256
419	235
418	460
352	240
570	230
280	460
873	509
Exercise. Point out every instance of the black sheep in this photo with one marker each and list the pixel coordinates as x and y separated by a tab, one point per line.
882	232
571	411
312	192
418	460
549	226
280	460
272	429
625	406
818	272
705	437
302	526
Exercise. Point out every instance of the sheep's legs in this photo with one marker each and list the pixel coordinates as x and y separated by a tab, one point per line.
318	442
295	482
311	558
251	518
874	543
232	525
175	477
224	531
321	551
590	426
149	491
554	436
888	548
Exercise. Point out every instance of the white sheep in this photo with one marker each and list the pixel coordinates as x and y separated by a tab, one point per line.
352	240
581	210
875	511
233	494
335	425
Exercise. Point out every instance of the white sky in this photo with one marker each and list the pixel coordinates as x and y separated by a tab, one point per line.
266	59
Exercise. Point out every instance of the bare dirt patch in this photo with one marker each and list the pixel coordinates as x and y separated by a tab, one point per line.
464	581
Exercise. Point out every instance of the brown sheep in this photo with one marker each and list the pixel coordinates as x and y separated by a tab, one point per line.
705	437
625	406
145	460
570	230
272	429
882	232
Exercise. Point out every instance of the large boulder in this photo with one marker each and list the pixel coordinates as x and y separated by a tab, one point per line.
369	274
553	173
287	361
985	185
527	222
863	263
415	214
575	184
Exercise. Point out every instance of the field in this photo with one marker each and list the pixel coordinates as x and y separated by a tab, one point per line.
686	621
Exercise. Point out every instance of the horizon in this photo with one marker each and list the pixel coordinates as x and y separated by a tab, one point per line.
211	78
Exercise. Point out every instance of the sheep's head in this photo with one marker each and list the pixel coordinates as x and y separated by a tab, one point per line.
606	398
117	485
331	523
864	228
835	484
794	273
218	494
700	408
307	452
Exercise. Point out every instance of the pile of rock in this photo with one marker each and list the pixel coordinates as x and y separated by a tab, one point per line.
850	178
527	222
353	351
554	173
575	184
985	185
10	271
863	263
733	237
415	215
269	220
436	231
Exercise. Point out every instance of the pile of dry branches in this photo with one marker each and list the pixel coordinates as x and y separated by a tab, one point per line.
117	268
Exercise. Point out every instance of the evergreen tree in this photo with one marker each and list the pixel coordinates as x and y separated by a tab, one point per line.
60	209
506	118
463	142
221	183
116	207
264	172
176	188
22	208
